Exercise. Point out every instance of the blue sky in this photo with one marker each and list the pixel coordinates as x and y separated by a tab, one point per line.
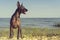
37	8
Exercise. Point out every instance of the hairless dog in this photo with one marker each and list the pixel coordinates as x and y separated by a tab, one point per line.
15	20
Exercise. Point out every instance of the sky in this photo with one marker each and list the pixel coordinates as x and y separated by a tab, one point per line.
36	8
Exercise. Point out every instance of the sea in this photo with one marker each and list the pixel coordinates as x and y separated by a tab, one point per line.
32	22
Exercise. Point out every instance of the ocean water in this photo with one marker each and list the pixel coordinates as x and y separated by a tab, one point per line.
32	22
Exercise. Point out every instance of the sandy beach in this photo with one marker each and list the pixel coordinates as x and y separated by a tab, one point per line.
32	34
33	38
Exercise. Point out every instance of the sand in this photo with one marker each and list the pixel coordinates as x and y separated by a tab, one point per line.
32	34
33	38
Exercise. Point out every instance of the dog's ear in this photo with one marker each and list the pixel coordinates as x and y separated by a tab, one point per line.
18	4
22	6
